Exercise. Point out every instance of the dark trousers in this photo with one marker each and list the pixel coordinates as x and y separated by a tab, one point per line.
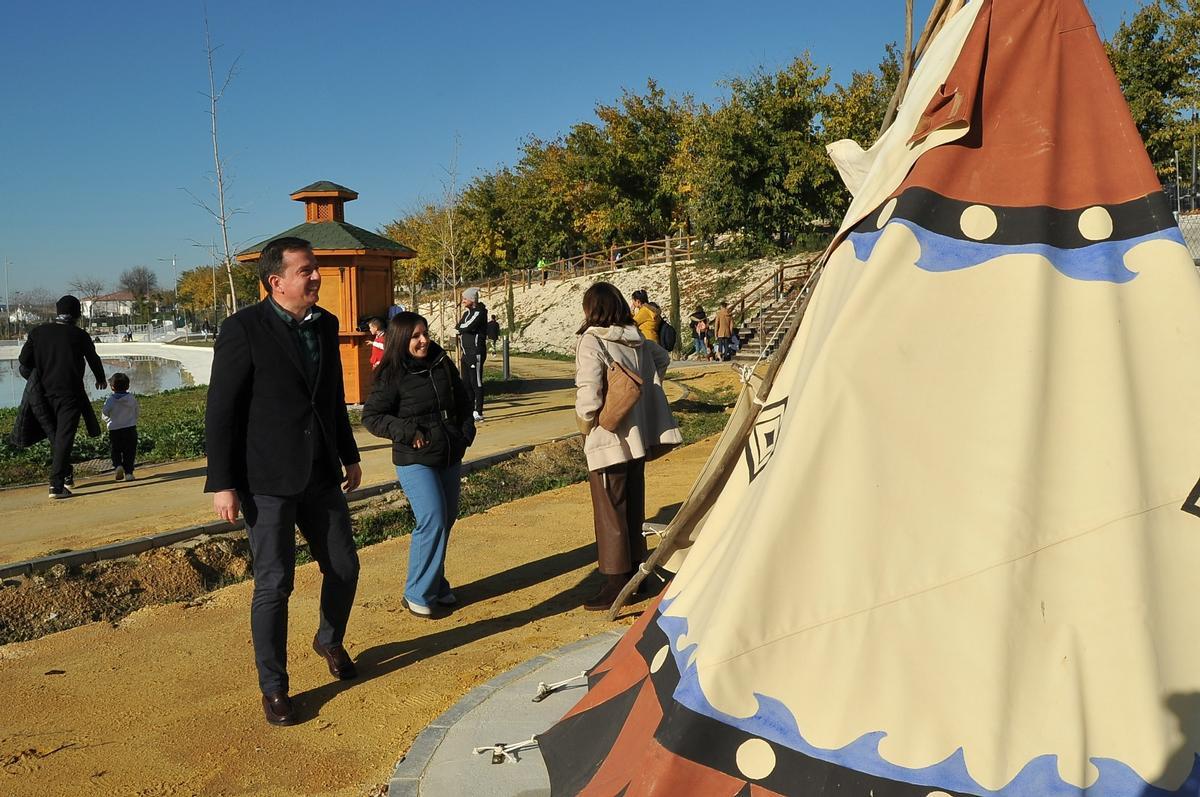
471	370
66	411
123	445
323	517
618	512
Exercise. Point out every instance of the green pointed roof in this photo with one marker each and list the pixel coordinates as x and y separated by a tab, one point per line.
326	185
336	235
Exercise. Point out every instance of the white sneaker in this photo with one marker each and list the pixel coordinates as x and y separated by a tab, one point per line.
63	493
478	416
120	475
128	477
416	608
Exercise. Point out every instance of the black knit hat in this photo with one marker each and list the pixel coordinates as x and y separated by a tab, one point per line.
68	305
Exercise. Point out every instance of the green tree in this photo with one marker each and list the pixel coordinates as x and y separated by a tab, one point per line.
542	222
619	168
1156	56
760	167
855	111
484	223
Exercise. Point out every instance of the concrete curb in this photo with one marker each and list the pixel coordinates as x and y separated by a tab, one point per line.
406	777
118	550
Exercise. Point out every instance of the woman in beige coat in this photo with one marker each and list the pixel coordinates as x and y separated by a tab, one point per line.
617	460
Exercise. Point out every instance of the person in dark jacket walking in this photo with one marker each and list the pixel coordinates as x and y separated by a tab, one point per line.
57	351
472	340
278	437
419	402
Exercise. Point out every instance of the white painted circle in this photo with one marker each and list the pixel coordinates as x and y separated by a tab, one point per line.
885	215
755	759
1095	224
659	659
978	222
937	794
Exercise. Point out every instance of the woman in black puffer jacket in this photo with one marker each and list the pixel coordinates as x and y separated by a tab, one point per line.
419	402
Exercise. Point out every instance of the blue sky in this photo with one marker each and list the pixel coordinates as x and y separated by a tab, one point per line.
104	121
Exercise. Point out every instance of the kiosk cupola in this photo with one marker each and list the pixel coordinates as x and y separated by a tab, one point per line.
324	201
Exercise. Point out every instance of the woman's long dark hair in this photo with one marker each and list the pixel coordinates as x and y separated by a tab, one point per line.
395	341
604	306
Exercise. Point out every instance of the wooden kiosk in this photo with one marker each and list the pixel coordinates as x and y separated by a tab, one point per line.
356	273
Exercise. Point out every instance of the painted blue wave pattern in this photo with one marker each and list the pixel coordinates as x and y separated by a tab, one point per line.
1038	778
1102	261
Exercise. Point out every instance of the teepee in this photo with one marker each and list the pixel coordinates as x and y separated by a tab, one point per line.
951	543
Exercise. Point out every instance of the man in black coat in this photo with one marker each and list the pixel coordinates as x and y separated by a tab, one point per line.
472	339
278	436
57	352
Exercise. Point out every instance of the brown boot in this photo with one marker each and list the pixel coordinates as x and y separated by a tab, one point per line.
608	593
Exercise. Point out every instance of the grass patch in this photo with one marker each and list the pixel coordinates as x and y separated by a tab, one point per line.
170	427
545	355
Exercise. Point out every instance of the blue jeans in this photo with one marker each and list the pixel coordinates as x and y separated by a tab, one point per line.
699	348
433	495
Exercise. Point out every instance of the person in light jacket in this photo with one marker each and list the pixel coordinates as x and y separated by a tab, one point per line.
419	402
617	460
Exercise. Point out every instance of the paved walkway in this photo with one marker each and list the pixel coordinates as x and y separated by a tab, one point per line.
442	761
171	496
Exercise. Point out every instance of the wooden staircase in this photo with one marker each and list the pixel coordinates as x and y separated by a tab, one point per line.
764	330
764	311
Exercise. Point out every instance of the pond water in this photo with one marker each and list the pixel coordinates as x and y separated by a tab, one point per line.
146	375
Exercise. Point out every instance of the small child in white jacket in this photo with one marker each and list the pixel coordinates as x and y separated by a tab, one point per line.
120	414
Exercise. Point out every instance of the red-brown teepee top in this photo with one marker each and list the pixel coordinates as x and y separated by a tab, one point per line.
1054	131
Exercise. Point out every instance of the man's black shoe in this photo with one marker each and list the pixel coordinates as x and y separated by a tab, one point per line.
278	709
340	664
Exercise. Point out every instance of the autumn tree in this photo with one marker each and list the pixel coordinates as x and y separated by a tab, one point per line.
855	111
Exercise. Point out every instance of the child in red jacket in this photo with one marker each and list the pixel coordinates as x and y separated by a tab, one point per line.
375	325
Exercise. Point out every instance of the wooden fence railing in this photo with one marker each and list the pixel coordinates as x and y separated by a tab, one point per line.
648	253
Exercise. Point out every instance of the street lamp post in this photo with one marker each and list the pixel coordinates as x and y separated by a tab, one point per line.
174	288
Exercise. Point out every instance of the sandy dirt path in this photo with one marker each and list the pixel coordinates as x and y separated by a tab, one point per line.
171	496
166	702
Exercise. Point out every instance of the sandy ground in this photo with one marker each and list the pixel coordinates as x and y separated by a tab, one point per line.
166	703
172	496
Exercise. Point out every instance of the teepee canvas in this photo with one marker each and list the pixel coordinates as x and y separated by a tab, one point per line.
957	550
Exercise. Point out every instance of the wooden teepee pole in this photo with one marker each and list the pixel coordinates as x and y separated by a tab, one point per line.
937	16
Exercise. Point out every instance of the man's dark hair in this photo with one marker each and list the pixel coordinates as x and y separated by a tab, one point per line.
119	382
69	306
641	296
270	263
604	306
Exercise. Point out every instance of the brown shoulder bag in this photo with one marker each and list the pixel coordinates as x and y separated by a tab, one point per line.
622	390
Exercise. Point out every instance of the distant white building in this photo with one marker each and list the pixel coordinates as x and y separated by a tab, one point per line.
23	316
117	303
